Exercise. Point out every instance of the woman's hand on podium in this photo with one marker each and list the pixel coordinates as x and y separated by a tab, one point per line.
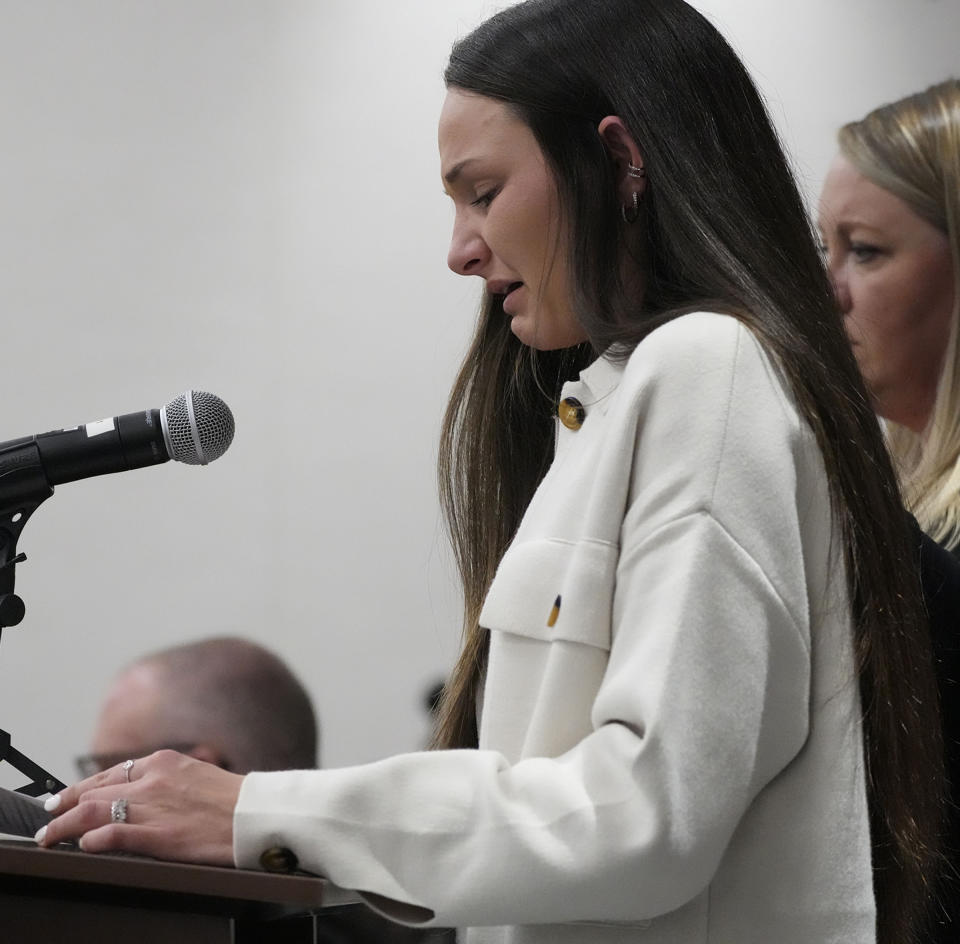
167	805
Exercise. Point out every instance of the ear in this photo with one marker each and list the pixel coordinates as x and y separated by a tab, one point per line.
626	156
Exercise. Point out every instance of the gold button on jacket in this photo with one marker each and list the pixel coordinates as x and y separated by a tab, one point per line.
278	859
571	413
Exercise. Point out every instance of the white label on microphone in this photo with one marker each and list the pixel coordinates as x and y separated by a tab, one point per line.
99	428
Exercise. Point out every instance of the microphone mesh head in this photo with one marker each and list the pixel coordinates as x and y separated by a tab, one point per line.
206	436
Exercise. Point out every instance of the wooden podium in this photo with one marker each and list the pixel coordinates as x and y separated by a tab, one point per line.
48	896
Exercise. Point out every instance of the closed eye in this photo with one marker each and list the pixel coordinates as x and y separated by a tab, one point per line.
486	198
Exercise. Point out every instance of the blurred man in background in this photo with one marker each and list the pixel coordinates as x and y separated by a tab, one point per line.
225	700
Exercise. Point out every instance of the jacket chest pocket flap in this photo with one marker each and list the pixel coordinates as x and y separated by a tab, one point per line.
550	590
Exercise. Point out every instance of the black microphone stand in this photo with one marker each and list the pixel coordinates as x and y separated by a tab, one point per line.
23	487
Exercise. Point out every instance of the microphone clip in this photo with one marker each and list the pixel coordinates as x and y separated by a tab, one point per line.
23	487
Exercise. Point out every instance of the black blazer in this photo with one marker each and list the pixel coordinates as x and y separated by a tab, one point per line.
940	577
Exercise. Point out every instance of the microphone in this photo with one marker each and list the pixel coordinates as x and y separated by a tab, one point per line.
194	428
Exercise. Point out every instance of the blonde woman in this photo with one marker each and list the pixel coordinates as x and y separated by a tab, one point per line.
890	219
890	223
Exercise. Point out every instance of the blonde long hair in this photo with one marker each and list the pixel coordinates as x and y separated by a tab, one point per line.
911	148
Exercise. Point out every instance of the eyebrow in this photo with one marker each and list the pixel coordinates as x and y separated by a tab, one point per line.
846	224
451	175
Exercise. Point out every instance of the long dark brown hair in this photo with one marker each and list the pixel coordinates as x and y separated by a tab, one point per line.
722	228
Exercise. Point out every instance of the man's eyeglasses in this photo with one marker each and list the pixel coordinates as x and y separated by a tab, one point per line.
90	764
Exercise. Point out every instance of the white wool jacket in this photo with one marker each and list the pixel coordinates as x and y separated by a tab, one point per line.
670	747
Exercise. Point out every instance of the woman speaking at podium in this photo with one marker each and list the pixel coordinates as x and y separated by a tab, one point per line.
695	702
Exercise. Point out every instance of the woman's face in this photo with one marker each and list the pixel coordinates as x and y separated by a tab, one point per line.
507	227
893	277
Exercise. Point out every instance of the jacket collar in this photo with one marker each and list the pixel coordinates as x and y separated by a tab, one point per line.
597	380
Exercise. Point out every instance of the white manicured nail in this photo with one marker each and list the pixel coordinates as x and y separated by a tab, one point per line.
41	832
52	803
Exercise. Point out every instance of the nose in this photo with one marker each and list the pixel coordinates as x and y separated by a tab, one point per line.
838	279
841	289
468	252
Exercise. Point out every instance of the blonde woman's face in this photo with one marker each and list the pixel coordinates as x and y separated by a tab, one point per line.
507	228
893	277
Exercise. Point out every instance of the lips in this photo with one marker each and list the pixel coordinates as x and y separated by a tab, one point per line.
502	286
510	297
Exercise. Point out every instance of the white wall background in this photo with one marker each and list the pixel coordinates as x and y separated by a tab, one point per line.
242	196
